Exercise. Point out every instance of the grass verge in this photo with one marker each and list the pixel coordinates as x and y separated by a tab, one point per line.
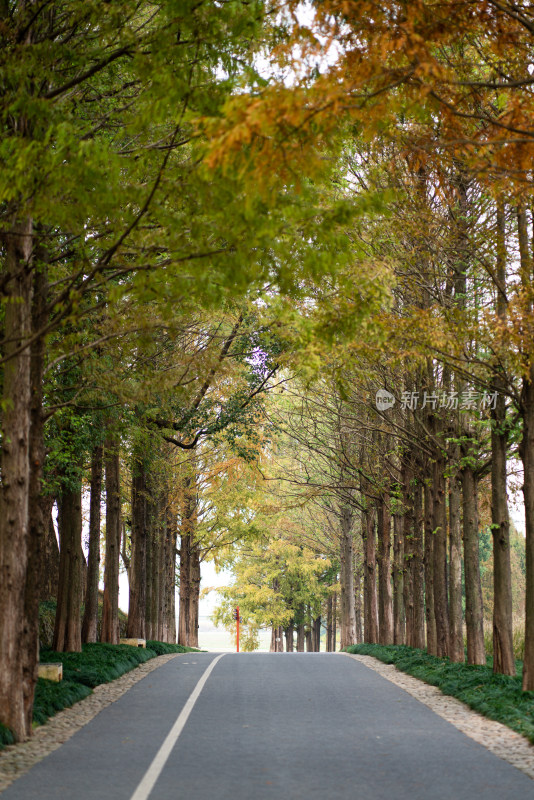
497	697
96	664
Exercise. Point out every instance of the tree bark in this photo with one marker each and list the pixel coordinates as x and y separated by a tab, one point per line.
301	636
37	505
110	609
90	616
503	646
441	608
385	595
418	568
526	447
50	556
68	628
526	450
15	470
316	634
455	572
370	600
289	638
170	571
329	624
358	600
277	639
138	567
474	612
431	642
346	553
334	616
187	558
154	576
398	580
414	601
195	596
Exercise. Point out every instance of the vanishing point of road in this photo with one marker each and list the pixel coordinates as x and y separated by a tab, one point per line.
262	726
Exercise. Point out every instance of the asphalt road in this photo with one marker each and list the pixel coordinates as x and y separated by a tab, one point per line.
269	726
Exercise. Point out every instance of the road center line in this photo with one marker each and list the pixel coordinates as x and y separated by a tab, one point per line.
160	759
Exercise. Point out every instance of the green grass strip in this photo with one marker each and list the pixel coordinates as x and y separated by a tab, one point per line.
96	664
498	697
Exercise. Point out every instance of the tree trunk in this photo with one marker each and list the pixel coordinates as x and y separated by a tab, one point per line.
334	615
184	615
414	601
358	600
277	639
441	609
187	534
418	569
503	646
154	576
138	567
162	572
68	628
15	470
370	600
301	636
503	649
431	642
150	555
329	624
289	638
455	572
317	634
398	580
110	609
385	596
474	612
346	553
50	556
37	505
195	595
170	571
527	457
90	616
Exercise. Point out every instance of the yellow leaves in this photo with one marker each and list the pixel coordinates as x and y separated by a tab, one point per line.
270	139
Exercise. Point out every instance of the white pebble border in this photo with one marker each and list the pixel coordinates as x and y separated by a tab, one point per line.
501	740
17	759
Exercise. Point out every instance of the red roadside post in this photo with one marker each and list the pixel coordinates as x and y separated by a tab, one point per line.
237	619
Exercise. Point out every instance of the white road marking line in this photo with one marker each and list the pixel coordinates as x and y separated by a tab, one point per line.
160	759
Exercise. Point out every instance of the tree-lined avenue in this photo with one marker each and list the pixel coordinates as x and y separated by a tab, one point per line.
272	725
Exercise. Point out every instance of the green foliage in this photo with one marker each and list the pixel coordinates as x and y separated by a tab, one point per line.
51	697
162	648
98	663
498	697
6	737
275	582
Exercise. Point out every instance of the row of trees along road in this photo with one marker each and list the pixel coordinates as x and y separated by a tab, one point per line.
439	125
131	273
177	231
